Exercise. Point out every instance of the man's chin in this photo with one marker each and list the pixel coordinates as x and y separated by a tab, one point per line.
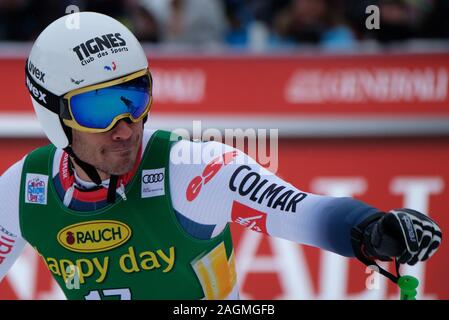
119	171
122	166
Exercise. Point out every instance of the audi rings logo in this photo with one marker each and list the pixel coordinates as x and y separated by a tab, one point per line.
153	183
153	178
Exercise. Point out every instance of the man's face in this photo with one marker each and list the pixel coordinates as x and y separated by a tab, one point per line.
113	152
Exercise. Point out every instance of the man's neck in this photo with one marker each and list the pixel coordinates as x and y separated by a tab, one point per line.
81	174
88	184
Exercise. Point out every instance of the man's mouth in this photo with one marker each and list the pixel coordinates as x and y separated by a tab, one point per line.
122	150
122	147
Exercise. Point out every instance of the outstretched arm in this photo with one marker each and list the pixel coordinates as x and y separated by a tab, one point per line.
227	185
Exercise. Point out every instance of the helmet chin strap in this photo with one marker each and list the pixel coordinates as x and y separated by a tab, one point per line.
93	175
89	169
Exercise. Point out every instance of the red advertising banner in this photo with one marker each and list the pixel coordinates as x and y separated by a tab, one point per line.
386	173
359	85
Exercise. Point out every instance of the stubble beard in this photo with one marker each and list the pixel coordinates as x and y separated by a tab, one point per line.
110	162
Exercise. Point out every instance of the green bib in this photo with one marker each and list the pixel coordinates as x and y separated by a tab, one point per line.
132	249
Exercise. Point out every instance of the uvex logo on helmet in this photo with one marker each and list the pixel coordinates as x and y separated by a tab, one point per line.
39	95
98	44
94	236
36	72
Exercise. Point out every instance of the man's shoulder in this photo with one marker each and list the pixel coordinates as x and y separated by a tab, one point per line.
12	175
16	168
192	153
46	149
167	135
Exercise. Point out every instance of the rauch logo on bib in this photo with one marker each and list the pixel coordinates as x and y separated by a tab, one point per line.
94	236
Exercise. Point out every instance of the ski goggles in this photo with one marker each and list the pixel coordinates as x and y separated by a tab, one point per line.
97	108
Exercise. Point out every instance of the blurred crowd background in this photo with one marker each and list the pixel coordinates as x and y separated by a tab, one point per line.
243	24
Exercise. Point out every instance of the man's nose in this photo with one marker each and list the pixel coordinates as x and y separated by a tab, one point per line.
122	130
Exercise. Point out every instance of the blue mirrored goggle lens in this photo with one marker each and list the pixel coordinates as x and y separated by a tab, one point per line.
97	109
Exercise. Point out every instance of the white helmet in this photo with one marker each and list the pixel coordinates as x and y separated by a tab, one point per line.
67	56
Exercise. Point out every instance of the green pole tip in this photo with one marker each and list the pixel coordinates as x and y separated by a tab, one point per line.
408	285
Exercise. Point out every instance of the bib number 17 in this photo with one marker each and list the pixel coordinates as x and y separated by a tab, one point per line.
123	294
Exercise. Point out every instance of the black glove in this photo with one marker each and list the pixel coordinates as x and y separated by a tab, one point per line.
406	234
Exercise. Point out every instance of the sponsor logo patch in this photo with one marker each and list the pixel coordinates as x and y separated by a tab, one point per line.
36	188
210	170
250	184
77	82
248	217
6	246
99	47
94	236
38	94
153	183
36	72
112	67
